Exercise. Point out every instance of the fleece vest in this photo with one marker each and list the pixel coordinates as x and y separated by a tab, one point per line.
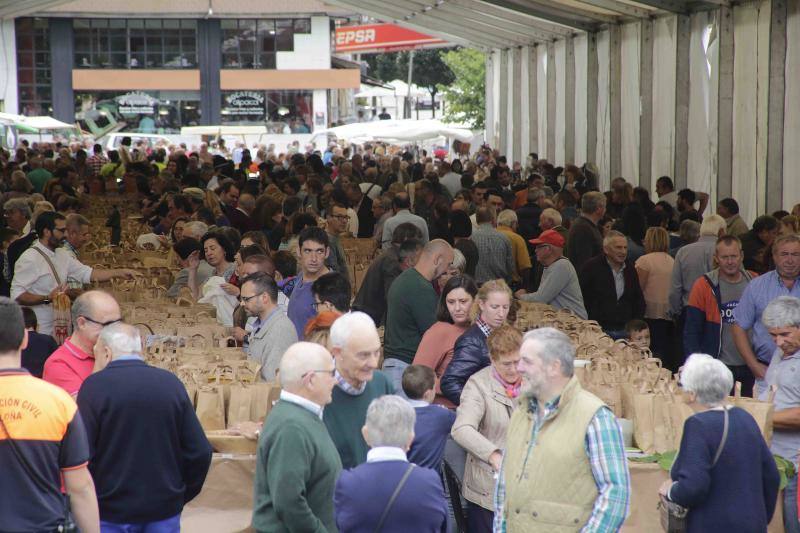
549	486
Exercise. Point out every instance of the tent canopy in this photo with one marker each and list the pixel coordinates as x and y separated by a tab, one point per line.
375	92
400	131
34	124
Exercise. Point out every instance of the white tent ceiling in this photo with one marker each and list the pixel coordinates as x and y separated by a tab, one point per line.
503	24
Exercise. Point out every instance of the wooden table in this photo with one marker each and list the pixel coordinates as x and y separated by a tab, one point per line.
225	505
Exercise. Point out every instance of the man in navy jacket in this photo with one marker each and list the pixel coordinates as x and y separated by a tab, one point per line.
363	497
148	453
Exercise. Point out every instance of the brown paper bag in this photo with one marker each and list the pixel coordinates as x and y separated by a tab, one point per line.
679	411
600	382
239	404
643	420
663	433
191	391
211	407
760	411
262	397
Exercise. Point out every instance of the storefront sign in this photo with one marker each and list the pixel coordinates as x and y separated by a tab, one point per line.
382	38
244	103
136	103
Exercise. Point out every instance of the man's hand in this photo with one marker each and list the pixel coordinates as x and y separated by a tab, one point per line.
758	369
238	334
193	260
496	460
664	488
58	290
126	273
520	293
248	430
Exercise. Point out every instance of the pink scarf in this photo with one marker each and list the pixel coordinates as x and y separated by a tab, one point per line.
512	389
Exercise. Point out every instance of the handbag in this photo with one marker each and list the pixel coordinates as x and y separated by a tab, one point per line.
62	320
67	525
672	515
394	497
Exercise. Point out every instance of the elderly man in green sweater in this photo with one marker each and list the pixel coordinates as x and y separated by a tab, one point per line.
297	464
356	347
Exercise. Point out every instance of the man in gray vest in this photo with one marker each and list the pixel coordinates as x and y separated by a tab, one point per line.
564	467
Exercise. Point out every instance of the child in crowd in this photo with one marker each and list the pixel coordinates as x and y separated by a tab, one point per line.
638	333
434	422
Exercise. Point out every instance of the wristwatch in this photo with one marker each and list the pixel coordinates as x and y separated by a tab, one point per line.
46	301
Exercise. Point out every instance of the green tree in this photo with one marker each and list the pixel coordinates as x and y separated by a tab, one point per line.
384	67
466	95
429	72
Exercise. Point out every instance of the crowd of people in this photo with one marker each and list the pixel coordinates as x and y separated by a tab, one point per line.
369	427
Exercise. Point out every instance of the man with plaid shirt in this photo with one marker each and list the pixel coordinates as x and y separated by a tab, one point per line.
495	255
96	161
564	467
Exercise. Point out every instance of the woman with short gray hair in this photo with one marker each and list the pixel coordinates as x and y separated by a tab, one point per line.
707	476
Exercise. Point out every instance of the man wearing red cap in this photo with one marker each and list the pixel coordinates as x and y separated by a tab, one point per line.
559	287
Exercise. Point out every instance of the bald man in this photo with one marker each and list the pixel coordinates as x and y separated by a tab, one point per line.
411	308
297	462
74	361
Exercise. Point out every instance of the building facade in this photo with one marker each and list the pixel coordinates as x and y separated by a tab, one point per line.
155	72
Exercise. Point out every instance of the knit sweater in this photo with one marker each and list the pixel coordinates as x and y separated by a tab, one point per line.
346	414
296	470
725	497
411	311
149	455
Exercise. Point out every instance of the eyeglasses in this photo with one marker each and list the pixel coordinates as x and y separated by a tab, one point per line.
316	305
102	324
245	299
341	217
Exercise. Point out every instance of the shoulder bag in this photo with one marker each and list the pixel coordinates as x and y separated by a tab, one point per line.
66	524
396	492
673	516
62	321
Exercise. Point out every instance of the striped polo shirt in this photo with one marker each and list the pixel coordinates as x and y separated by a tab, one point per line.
47	430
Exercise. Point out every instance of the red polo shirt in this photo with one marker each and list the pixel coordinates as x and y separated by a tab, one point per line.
68	367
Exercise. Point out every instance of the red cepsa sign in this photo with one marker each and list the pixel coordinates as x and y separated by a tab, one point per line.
381	38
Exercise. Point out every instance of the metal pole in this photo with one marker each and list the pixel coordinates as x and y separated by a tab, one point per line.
407	113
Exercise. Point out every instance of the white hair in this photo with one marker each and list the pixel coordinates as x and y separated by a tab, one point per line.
121	339
708	378
782	312
611	235
390	422
712	225
552	215
459	261
195	229
345	325
553	345
299	359
507	217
